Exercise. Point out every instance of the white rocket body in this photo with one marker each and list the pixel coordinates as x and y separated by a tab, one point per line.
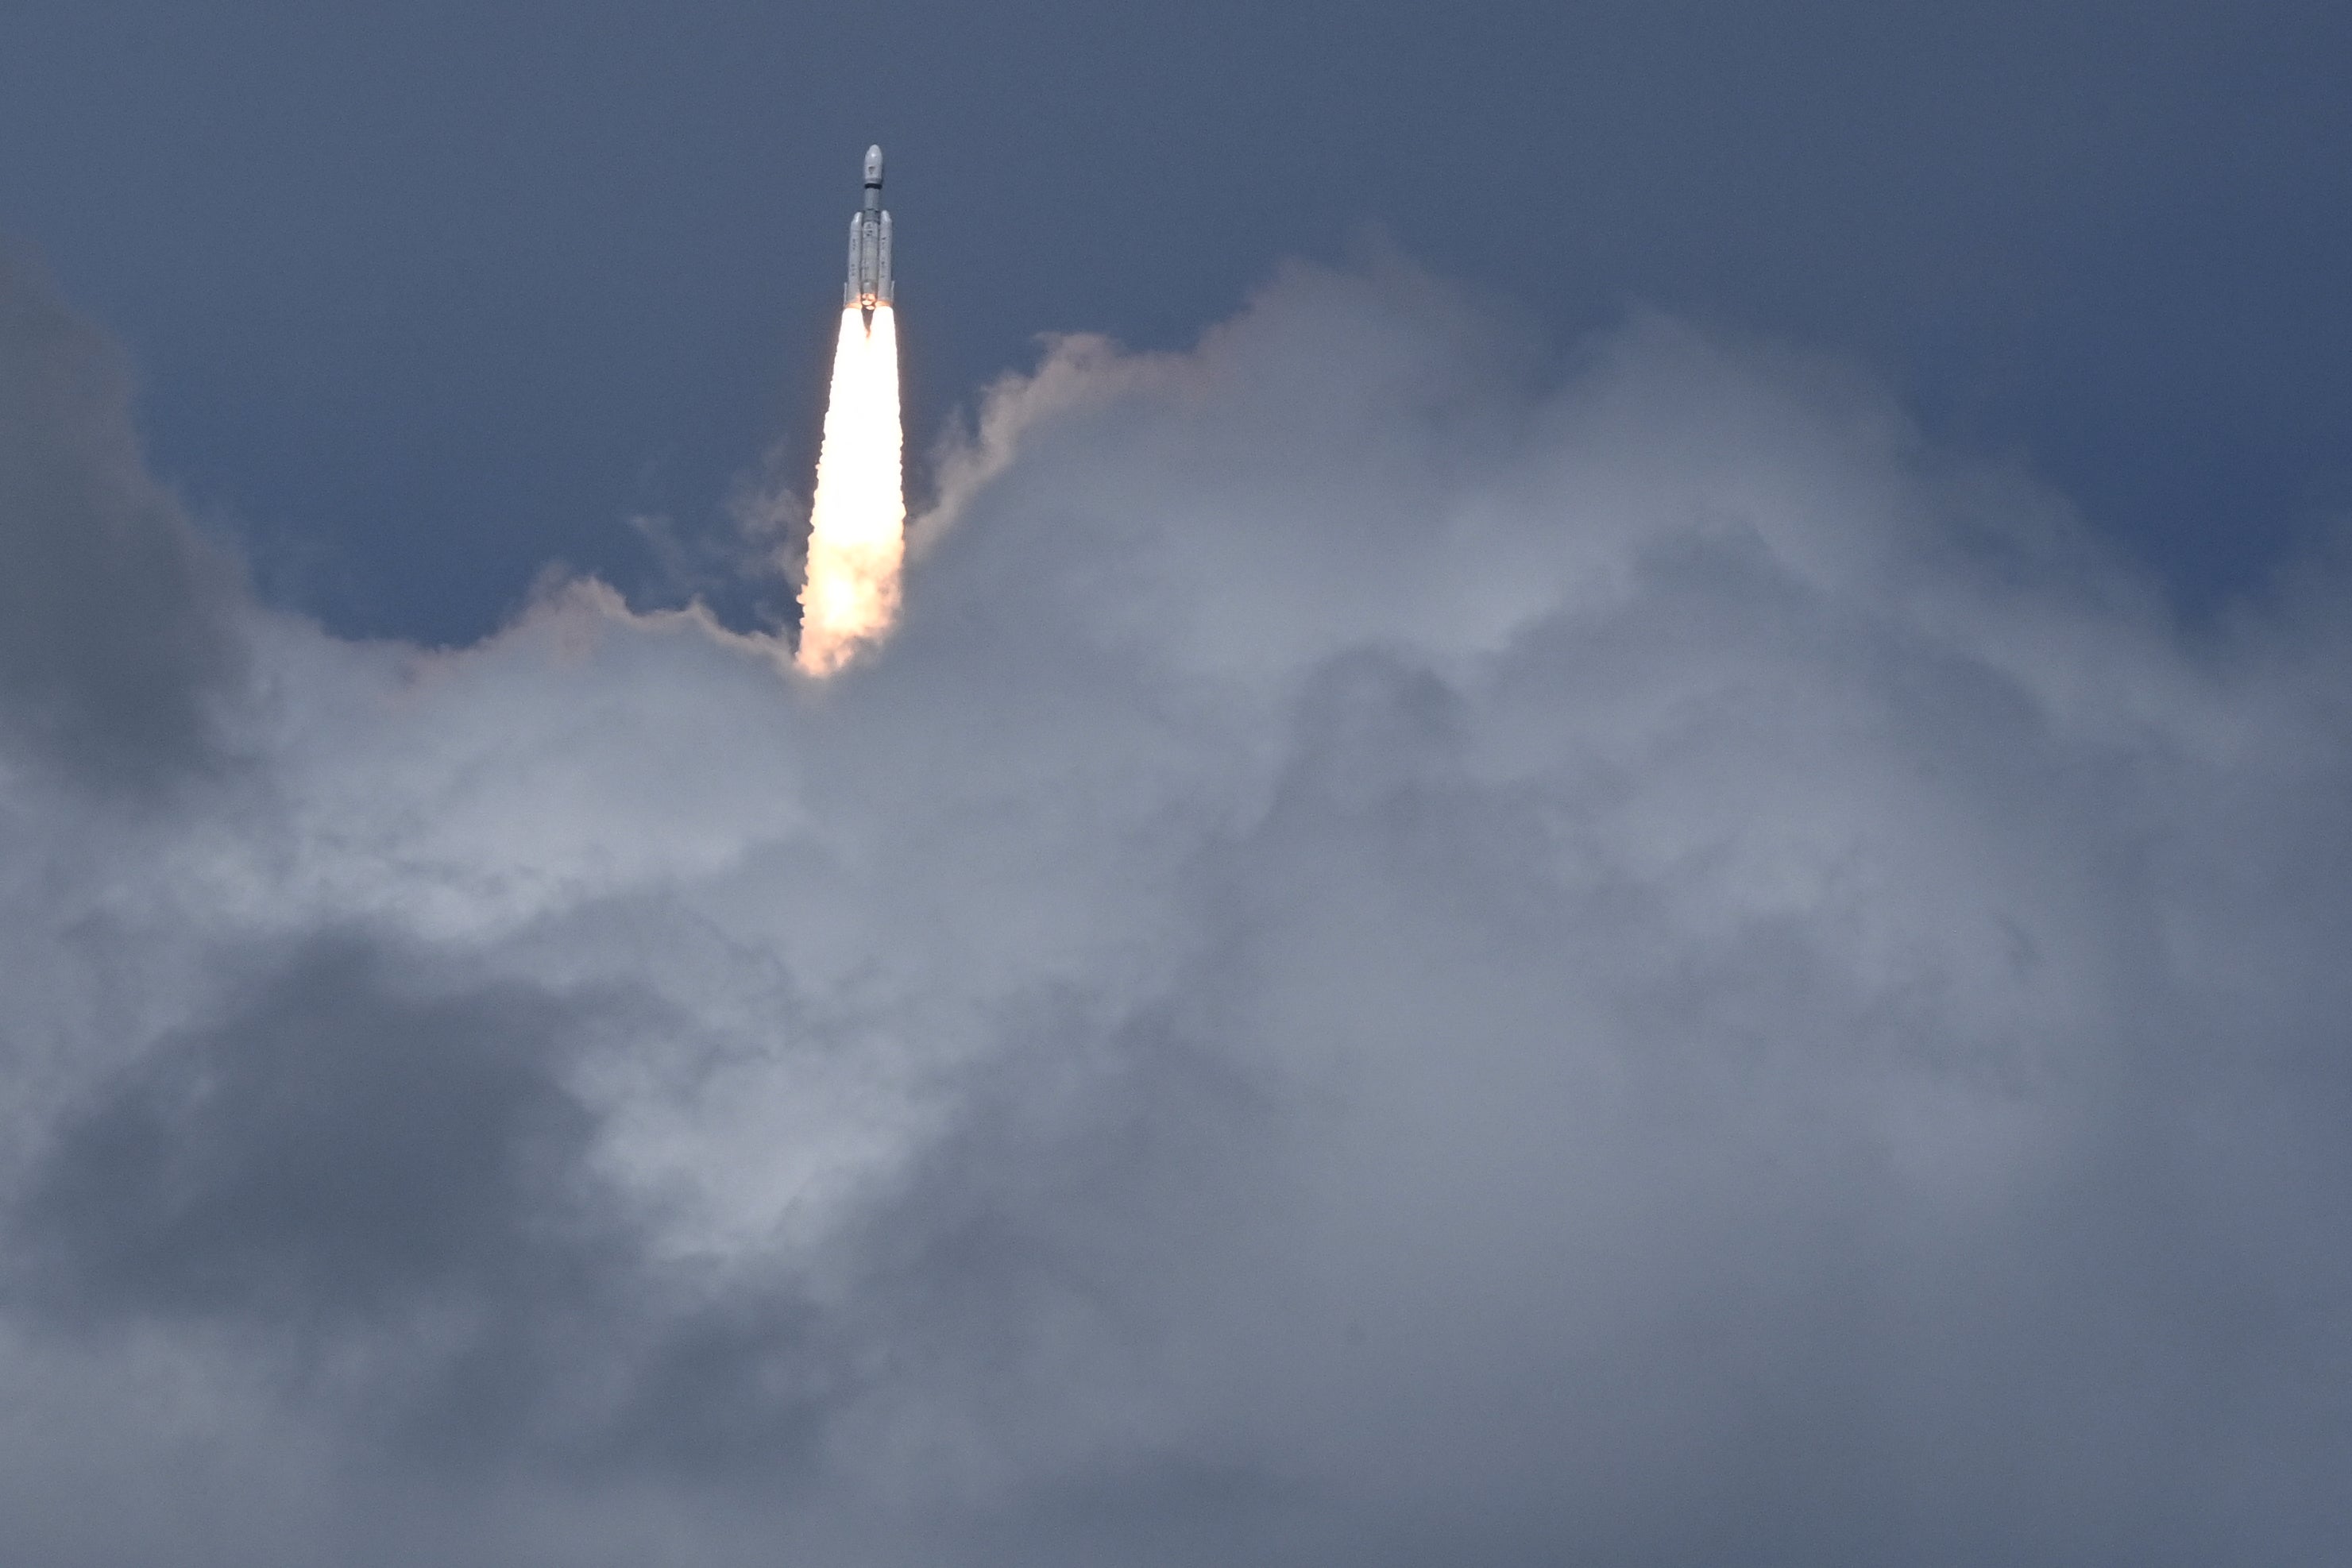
869	281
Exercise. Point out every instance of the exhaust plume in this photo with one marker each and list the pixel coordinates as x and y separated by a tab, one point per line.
849	599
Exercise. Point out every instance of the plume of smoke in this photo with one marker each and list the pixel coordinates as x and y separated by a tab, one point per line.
849	599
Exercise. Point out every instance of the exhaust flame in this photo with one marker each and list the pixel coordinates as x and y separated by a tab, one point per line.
858	524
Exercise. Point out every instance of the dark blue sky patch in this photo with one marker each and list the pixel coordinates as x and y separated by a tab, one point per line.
426	299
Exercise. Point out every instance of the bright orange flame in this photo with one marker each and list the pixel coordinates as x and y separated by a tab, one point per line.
857	527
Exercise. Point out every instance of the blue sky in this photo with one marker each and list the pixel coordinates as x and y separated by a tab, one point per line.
424	298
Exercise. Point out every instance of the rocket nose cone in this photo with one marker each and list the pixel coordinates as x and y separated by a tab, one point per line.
874	164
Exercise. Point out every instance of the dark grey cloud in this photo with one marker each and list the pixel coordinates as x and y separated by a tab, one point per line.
334	1151
376	1181
118	632
1406	958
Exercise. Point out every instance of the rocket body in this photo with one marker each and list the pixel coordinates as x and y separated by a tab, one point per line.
869	282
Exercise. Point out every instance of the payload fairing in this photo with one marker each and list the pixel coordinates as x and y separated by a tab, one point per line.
869	244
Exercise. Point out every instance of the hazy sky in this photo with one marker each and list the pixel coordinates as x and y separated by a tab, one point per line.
1561	888
425	296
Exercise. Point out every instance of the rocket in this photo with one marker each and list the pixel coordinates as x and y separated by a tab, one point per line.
869	244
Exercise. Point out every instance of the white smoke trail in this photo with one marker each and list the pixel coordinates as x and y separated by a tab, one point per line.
857	526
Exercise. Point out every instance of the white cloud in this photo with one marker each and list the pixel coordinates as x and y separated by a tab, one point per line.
1394	964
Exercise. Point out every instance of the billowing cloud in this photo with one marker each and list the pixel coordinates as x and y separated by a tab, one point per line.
1402	960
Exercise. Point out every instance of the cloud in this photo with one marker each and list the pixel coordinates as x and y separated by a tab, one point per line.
118	625
1402	960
